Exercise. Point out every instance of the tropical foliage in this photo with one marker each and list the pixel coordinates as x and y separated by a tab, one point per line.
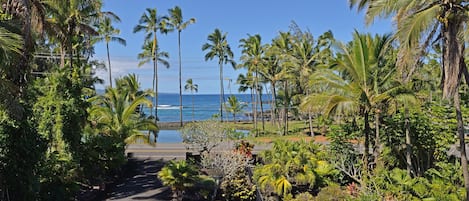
179	175
293	164
389	127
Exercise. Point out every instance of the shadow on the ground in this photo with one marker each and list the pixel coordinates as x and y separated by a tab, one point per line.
141	182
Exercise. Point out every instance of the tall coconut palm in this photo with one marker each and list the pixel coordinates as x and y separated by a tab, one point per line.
107	33
253	53
218	47
147	55
283	48
69	19
308	55
354	86
271	72
151	23
176	22
191	86
418	24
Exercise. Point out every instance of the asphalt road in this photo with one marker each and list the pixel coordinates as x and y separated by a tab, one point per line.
141	183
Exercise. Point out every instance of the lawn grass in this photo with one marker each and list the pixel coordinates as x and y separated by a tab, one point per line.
297	131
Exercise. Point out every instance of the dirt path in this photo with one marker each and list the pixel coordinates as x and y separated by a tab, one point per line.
141	183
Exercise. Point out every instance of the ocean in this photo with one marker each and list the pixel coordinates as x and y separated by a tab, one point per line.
205	106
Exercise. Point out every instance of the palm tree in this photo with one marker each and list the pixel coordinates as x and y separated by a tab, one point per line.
179	175
150	22
218	47
283	48
246	82
419	24
234	106
147	55
176	22
68	19
271	72
107	33
354	86
115	114
308	55
253	53
193	88
130	83
10	44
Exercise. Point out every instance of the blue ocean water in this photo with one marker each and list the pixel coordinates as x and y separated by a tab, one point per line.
204	106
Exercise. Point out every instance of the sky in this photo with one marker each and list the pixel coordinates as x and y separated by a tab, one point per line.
237	18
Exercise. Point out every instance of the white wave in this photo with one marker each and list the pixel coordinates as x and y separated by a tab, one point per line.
167	107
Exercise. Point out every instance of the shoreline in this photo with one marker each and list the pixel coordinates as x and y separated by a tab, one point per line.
177	125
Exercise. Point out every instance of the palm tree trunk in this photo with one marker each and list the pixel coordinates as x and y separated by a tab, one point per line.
377	149
180	79
453	63
408	142
156	93
62	56
155	69
272	104
367	141
285	109
192	94
70	49
153	87
262	110
256	93
220	63
28	46
252	106
109	63
462	143
310	119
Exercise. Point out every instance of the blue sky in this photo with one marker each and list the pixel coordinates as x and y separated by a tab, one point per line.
238	18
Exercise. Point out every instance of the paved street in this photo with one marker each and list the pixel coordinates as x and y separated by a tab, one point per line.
142	183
